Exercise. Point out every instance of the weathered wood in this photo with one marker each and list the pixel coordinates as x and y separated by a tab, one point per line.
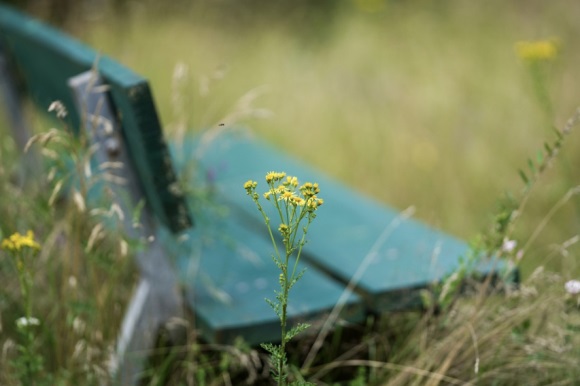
394	256
43	60
227	268
158	298
225	263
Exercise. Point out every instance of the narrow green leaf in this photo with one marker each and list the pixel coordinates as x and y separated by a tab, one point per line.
531	166
524	177
540	157
295	331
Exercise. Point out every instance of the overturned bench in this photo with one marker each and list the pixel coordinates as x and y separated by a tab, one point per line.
362	256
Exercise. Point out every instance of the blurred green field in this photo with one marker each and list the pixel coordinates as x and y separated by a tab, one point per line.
414	103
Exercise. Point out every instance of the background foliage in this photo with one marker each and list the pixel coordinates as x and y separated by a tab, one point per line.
414	103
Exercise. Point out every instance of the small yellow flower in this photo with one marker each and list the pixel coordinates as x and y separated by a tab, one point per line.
250	184
314	202
7	244
270	176
306	189
283	229
537	50
315	187
309	189
298	201
287	195
16	241
292	181
274	176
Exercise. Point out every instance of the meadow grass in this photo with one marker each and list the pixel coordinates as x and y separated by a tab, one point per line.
79	317
415	104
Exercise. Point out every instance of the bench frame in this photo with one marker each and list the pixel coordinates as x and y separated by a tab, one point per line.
116	108
158	299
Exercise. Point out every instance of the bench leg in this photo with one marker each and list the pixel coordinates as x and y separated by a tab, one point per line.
157	299
151	308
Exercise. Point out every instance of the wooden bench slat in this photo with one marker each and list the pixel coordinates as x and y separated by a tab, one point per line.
348	225
45	59
229	272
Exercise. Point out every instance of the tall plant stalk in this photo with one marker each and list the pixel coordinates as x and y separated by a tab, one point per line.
294	206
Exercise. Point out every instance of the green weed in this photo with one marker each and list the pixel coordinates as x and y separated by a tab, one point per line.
296	209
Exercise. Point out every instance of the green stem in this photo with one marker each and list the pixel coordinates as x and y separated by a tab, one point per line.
302	242
267	221
285	291
28	352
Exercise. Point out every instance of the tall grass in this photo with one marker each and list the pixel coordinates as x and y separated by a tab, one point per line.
413	104
79	316
412	99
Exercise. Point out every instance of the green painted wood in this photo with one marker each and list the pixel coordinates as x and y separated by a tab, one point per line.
43	59
412	257
226	265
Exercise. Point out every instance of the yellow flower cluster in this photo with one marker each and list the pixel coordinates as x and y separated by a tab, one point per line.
309	191
279	191
314	202
537	50
249	185
283	229
286	190
16	241
291	181
274	176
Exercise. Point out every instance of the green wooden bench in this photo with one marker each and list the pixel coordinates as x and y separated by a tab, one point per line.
362	256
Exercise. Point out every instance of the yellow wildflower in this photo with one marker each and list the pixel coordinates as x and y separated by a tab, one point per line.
292	181
315	187
298	201
314	202
270	176
16	241
283	229
287	195
274	176
309	189
250	184
537	50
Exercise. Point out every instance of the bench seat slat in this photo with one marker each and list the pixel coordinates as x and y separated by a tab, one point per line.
228	271
412	257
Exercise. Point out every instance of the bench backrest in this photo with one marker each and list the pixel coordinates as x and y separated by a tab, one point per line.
44	59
